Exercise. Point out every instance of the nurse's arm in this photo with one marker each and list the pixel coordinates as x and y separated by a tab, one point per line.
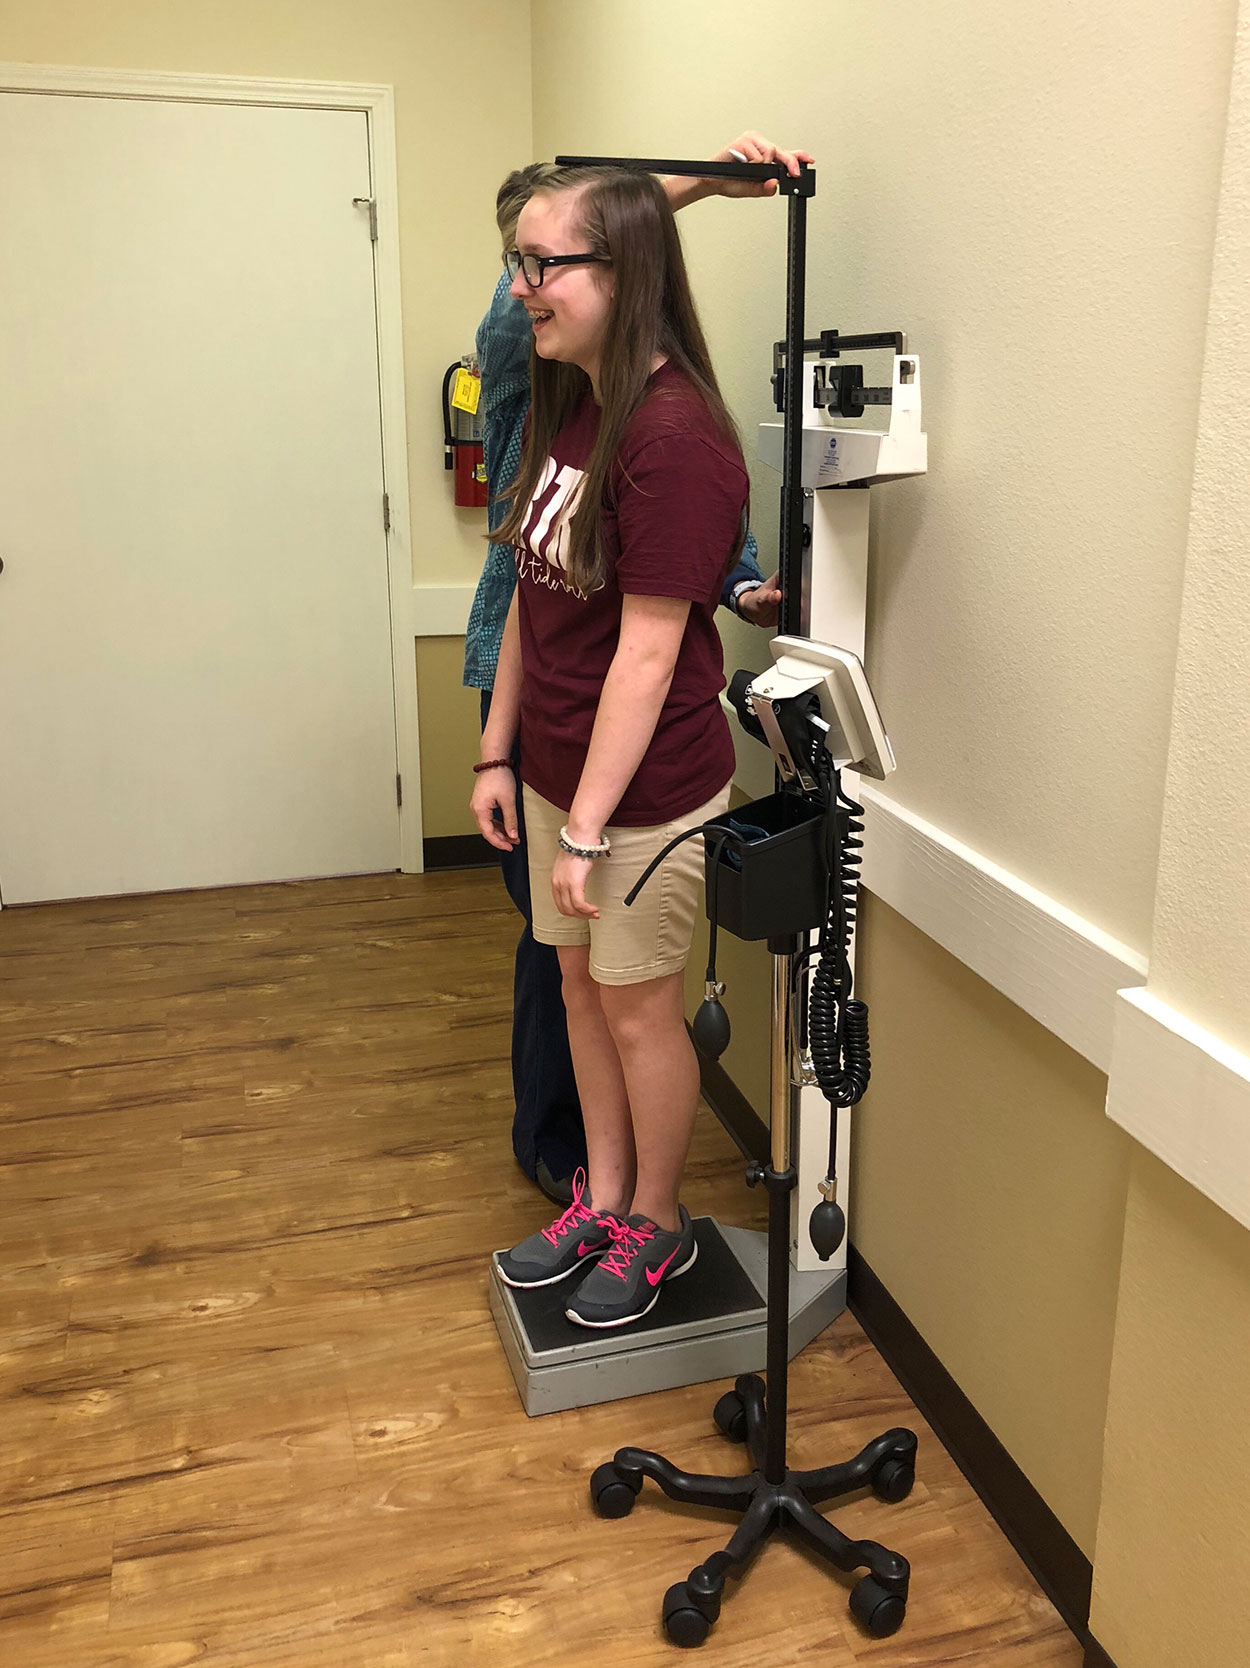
749	147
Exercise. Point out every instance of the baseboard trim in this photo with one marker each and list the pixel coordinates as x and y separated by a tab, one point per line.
735	1112
1057	1563
457	851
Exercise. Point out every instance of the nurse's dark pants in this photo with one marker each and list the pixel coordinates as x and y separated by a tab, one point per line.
547	1123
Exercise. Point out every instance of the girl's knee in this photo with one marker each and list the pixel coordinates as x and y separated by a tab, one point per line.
579	989
639	1015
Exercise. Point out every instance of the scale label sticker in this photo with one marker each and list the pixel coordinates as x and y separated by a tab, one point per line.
830	465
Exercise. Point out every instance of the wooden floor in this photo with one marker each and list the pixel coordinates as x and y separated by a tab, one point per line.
253	1412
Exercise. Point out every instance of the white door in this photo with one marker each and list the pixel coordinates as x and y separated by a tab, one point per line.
195	651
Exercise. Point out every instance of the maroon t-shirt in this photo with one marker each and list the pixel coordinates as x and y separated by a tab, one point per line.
672	516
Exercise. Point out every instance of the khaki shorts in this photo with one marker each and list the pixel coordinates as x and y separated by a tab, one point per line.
652	937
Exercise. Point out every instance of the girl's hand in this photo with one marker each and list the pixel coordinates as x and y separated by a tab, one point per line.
753	147
762	605
568	885
495	790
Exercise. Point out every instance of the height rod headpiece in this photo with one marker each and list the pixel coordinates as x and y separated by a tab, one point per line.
801	185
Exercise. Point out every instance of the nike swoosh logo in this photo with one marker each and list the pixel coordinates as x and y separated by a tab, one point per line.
655	1275
584	1250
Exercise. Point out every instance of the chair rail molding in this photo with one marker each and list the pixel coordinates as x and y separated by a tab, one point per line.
1185	1095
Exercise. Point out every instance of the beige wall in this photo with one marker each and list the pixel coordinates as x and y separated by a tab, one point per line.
988	1194
450	720
461	76
1176	1487
988	1191
1172	1575
1200	955
1030	192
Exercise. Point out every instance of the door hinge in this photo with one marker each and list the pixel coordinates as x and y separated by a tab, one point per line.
371	203
386	512
399	791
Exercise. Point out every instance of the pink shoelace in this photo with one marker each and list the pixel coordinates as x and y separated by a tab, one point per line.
627	1242
574	1215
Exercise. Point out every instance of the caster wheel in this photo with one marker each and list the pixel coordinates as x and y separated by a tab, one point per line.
894	1480
609	1495
684	1623
876	1608
731	1416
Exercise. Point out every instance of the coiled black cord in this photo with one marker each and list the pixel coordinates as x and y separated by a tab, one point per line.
837	1025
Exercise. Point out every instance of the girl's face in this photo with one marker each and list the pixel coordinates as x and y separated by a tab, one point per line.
570	309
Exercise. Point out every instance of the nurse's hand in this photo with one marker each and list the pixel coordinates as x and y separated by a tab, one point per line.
762	605
568	885
495	790
753	147
684	189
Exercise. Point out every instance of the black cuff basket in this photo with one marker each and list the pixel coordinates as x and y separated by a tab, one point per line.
770	887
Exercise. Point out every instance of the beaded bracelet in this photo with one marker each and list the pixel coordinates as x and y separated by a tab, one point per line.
491	764
565	844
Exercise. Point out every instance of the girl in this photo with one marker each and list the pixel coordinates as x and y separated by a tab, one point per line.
547	1134
627	512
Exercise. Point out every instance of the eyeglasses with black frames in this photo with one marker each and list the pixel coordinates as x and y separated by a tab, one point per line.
532	267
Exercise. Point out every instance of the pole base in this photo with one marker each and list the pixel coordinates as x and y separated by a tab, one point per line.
691	1607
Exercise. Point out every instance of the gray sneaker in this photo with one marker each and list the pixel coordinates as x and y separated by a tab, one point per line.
576	1237
625	1283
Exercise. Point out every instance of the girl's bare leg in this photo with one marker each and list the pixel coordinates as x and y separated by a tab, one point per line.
661	1075
600	1086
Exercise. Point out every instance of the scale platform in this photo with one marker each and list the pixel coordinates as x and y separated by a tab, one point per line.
709	1325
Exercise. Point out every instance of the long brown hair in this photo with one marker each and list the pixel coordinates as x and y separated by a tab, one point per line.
626	217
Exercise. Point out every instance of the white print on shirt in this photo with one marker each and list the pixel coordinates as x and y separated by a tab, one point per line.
542	554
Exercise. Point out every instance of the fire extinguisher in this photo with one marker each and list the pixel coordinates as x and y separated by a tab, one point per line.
462	432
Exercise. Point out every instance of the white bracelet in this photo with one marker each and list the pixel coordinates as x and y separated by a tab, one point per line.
565	844
740	590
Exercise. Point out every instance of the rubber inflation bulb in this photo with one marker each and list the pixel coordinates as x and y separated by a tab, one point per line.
711	1029
827	1228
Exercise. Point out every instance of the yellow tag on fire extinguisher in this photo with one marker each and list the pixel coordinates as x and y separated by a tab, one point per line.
466	391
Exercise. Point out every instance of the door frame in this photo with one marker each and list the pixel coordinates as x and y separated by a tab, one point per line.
377	104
